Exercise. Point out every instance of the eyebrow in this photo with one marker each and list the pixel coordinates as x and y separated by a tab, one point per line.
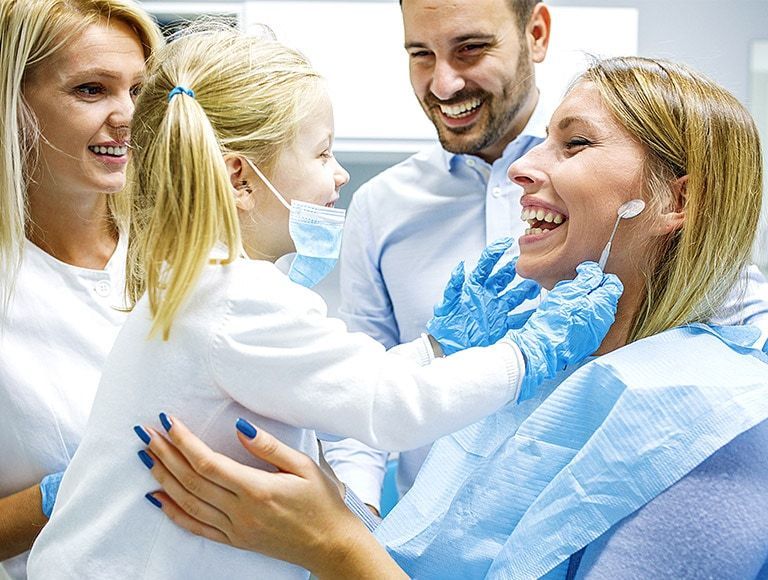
475	36
566	122
102	73
325	142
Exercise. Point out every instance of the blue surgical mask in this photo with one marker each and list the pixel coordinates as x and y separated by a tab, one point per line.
316	233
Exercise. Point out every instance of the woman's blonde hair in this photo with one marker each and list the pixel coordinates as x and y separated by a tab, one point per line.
689	126
32	31
250	95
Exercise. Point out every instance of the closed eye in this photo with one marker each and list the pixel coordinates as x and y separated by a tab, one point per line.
473	48
577	142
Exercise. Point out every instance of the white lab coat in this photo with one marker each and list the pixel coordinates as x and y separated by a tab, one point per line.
61	326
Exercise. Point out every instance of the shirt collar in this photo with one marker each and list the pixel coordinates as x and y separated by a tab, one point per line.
535	128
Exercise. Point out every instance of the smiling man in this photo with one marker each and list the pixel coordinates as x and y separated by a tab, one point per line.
471	66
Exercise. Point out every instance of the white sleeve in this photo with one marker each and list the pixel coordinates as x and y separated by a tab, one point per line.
360	467
277	353
365	305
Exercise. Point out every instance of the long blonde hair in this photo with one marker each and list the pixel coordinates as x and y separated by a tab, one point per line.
32	31
690	126
250	95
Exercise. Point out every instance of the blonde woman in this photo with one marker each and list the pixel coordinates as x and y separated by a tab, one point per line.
233	168
647	461
71	70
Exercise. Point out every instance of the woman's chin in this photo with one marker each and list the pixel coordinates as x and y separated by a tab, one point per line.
528	268
541	273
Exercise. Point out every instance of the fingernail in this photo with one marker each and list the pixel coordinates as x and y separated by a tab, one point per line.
153	500
165	421
143	435
246	428
146	459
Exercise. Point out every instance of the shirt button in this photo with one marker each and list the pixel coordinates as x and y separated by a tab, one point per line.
103	288
496	192
471	162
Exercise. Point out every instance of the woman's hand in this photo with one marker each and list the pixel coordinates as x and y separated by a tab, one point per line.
296	514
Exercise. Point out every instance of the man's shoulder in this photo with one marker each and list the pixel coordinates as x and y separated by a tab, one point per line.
428	163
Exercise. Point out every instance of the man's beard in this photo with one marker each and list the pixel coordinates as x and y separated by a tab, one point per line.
499	114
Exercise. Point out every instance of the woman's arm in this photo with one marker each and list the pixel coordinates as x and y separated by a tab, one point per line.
295	514
21	519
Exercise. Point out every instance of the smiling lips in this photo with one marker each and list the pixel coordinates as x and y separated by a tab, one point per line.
541	220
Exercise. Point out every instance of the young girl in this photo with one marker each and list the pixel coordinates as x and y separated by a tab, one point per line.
233	169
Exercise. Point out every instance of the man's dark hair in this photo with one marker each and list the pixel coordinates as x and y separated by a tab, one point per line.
521	8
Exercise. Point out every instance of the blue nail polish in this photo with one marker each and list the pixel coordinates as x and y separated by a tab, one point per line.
246	428
153	500
143	435
165	421
146	459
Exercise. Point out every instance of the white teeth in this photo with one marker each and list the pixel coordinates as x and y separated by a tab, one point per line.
112	150
534	231
533	214
459	109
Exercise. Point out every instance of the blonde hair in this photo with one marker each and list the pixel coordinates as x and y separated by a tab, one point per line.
33	31
250	95
692	127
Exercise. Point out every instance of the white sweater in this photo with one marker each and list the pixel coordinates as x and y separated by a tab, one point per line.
248	343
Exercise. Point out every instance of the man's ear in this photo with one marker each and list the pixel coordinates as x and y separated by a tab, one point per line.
673	216
243	192
537	32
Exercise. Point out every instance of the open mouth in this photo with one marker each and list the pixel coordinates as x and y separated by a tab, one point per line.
541	220
109	151
462	109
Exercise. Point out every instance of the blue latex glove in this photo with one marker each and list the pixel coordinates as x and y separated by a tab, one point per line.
568	325
49	488
473	311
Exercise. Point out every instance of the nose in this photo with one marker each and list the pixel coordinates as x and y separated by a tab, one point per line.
527	172
341	176
446	80
122	112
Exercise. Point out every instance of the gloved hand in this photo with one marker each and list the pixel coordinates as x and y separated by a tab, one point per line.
49	489
473	311
568	325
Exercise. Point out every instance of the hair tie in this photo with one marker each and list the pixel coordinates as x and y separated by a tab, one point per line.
178	90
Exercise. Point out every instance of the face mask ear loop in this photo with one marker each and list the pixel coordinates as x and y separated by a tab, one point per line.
266	181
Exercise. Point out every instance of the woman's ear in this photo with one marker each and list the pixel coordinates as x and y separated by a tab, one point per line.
673	216
243	192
